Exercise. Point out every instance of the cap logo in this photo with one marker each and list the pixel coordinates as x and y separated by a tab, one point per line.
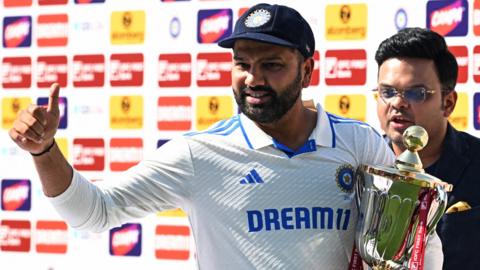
257	18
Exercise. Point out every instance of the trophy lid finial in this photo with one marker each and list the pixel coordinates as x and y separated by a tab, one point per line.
415	138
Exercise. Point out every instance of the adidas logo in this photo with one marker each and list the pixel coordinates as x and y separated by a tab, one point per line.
252	178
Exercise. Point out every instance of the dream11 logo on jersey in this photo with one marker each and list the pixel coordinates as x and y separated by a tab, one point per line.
126	240
16	72
213	25
17	32
448	18
16	195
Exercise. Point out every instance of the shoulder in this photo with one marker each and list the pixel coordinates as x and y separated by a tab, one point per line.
351	127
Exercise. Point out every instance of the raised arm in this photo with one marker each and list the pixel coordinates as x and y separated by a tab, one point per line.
34	130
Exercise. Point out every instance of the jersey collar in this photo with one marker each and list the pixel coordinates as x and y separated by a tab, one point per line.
256	138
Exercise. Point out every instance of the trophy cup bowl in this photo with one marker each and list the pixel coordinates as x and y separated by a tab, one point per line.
389	200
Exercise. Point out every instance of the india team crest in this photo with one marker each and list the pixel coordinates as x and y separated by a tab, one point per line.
257	18
344	178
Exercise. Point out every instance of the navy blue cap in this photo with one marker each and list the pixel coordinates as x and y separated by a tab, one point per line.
274	24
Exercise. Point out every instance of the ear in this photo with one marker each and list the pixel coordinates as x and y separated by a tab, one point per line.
308	70
449	102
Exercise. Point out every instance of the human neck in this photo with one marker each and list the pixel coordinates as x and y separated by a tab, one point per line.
294	128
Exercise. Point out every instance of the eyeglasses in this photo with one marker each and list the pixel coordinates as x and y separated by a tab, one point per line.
413	95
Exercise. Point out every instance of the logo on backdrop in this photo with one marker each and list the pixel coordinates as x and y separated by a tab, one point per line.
126	69
461	54
16	72
172	242
17	32
346	22
17	3
89	1
174	70
15	235
52	2
476	64
448	18
316	69
125	153
211	109
16	195
51	236
476	111
88	154
126	112
345	67
175	27
52	30
401	19
174	113
349	106
213	25
214	69
88	70
51	69
10	108
63	107
126	240
127	27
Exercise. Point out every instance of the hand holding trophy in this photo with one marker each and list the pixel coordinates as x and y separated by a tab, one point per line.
398	207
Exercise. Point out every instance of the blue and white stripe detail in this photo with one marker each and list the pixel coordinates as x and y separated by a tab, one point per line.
334	119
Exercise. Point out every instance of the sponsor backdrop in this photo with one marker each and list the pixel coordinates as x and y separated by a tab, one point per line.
136	73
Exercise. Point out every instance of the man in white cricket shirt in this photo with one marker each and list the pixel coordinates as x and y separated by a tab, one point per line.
270	188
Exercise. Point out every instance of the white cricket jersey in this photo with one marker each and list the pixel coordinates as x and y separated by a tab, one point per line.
250	205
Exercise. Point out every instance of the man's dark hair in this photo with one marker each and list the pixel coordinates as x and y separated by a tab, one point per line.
421	43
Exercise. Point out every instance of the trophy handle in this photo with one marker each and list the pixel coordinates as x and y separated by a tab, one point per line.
441	199
359	187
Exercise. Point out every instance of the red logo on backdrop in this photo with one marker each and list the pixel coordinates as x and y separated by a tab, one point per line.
172	242
16	72
88	70
15	235
52	2
476	17
125	153
51	69
88	154
126	69
345	67
214	69
174	70
476	64
51	236
461	54
17	3
241	11
174	113
52	30
316	69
